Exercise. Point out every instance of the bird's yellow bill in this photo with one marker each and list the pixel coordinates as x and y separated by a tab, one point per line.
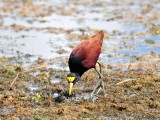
70	88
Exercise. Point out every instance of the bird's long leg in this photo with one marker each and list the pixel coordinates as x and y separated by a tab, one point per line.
100	83
100	70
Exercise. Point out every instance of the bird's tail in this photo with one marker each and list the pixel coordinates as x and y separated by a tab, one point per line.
99	36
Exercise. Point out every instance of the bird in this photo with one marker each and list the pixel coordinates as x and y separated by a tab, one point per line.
84	57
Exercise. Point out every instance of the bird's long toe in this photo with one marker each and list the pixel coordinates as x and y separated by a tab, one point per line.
97	88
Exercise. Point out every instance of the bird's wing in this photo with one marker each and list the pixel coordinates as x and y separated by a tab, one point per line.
92	57
93	50
81	49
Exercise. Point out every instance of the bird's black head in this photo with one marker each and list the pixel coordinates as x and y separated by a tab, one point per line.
72	78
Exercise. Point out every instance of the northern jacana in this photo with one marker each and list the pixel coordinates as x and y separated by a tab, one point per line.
83	58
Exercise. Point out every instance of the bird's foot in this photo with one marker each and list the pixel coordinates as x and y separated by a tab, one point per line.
97	88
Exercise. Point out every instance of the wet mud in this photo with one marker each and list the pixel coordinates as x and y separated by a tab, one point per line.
36	38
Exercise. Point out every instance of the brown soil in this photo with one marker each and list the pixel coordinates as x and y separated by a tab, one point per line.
137	98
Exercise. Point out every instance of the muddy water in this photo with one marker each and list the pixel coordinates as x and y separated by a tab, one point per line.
38	31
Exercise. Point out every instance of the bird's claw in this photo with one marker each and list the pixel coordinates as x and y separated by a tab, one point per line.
98	87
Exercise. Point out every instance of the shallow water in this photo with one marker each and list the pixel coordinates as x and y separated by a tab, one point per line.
55	80
39	43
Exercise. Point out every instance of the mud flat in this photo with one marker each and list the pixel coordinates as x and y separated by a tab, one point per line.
35	33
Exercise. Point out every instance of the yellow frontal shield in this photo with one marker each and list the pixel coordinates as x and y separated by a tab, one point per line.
70	79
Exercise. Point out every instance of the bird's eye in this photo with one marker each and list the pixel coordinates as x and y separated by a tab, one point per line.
70	79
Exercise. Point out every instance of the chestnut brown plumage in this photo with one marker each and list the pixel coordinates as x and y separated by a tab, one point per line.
83	58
